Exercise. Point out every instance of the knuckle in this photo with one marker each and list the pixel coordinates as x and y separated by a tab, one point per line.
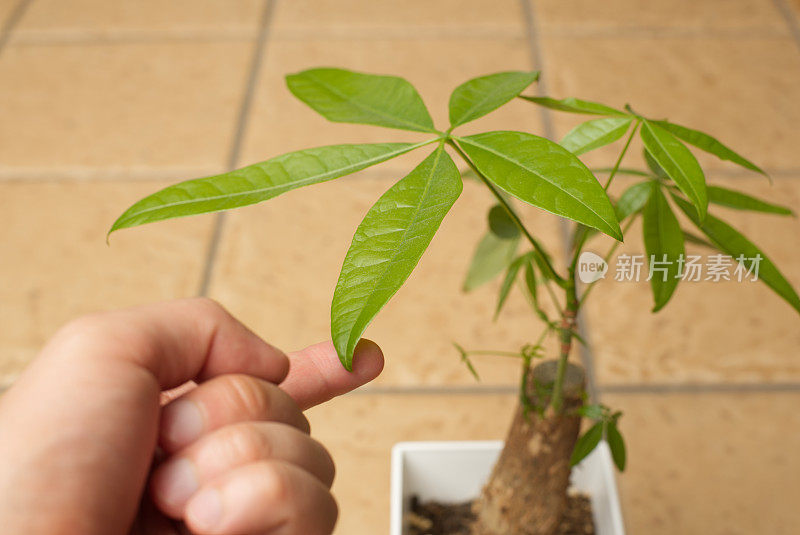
244	443
249	396
279	482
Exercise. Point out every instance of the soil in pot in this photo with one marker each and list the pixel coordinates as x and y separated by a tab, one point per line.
435	518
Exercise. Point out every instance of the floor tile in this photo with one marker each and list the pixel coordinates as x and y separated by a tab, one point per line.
56	266
632	17
281	123
374	424
710	331
718	464
6	9
383	18
278	265
742	91
81	19
97	109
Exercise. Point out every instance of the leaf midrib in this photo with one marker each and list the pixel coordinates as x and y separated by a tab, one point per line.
518	164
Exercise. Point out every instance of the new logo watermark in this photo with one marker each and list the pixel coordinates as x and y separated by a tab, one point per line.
591	267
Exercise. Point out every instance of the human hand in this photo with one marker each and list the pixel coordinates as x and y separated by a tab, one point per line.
80	428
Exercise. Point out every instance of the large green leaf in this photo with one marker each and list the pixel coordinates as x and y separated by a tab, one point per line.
477	97
742	201
709	144
678	162
388	245
352	97
730	241
633	199
595	134
575	105
258	182
542	173
663	242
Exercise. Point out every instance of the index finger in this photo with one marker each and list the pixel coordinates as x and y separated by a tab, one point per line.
316	375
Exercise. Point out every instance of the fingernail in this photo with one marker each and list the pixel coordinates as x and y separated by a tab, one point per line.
204	511
177	481
183	422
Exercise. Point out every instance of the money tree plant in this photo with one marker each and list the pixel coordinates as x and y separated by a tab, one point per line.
526	493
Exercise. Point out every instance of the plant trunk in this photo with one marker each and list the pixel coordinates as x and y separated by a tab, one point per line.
527	491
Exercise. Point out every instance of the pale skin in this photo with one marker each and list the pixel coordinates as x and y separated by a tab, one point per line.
186	384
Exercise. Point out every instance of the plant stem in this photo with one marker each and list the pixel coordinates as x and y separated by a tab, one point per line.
507	207
621	156
567	326
569	317
607	258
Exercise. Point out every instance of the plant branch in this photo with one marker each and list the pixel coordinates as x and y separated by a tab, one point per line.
508	208
621	155
607	258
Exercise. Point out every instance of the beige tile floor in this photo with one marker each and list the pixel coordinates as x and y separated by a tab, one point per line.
103	102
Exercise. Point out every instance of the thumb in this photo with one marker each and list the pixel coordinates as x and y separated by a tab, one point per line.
316	375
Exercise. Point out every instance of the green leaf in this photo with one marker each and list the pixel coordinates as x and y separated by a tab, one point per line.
467	362
477	97
688	237
586	443
508	282
633	199
595	134
491	257
730	241
501	224
617	445
530	280
663	242
678	162
575	105
344	96
258	182
544	174
656	169
388	245
709	144
742	201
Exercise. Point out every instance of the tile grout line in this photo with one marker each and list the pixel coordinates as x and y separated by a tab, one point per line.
791	19
12	21
585	352
659	389
618	389
95	175
236	145
701	388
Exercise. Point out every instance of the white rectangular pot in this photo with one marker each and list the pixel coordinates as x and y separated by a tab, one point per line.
456	471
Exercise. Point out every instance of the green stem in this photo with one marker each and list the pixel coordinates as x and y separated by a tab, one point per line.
507	207
567	326
569	317
621	155
607	258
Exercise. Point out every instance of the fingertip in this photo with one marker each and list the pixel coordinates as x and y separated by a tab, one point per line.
367	359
